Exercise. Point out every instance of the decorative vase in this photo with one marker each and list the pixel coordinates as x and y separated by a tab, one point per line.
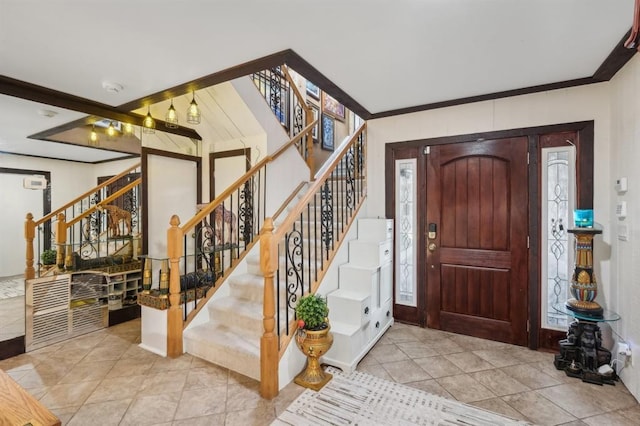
584	287
313	344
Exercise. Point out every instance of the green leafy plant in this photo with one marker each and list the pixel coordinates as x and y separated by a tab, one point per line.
312	311
48	257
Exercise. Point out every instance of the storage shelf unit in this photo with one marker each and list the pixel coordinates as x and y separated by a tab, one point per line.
360	310
65	306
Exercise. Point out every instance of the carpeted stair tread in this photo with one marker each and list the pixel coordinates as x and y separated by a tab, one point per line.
222	346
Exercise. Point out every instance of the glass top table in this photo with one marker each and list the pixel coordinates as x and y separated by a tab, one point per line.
607	316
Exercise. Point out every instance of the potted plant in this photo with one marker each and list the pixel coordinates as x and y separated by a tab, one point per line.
48	257
313	339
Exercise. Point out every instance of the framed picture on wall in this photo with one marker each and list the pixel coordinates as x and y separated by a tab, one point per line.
313	90
328	132
315	110
333	107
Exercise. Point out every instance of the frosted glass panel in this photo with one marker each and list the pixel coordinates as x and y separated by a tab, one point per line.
558	199
406	282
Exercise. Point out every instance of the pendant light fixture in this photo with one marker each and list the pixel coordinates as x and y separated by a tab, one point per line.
127	129
93	136
111	131
193	113
171	119
148	124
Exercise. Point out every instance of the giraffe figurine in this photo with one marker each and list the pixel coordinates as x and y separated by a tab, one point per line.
114	215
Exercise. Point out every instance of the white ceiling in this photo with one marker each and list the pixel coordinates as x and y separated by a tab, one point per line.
385	55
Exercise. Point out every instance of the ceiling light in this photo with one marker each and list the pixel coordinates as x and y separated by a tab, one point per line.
111	131
127	129
193	113
148	124
171	119
47	113
93	136
112	87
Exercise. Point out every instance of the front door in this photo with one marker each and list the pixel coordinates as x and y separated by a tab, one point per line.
476	239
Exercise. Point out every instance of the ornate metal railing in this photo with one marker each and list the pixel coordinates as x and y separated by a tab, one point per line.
295	257
82	233
288	104
212	243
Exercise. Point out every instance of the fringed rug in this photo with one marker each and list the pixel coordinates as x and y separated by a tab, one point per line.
362	399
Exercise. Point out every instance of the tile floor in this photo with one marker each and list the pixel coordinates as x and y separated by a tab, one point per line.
104	378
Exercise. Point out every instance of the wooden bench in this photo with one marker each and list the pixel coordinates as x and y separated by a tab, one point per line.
18	407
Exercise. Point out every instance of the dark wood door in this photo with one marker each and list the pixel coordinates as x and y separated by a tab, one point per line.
477	205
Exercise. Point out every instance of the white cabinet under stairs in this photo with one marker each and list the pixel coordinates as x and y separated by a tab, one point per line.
360	310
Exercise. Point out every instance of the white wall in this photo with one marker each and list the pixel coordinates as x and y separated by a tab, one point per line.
625	147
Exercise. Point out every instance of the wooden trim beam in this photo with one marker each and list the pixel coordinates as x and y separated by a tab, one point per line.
40	94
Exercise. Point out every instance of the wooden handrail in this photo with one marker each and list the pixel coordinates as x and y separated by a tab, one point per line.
86	194
295	213
105	201
206	211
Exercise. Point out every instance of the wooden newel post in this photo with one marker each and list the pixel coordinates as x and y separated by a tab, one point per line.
61	239
269	353
174	316
29	235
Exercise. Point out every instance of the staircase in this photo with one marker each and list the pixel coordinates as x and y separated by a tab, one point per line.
231	336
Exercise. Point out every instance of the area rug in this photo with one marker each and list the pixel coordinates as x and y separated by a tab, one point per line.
362	399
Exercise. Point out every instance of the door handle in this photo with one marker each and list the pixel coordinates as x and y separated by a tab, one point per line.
432	247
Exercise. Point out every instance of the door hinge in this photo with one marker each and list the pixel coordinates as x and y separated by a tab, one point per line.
527	241
527	158
426	150
528	325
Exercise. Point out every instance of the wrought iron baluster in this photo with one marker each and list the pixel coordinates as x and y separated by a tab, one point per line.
327	217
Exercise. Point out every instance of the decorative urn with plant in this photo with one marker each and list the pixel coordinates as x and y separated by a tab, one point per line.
48	257
313	339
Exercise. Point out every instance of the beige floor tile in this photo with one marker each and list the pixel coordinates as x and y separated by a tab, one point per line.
64	414
528	355
470	343
580	400
388	353
211	420
445	346
497	405
609	419
416	349
102	413
106	353
151	409
237	378
405	371
286	396
468	362
183	362
246	396
368	360
129	367
497	357
201	402
401	334
498	382
575	423
431	386
209	376
87	371
530	376
438	366
632	413
376	370
464	388
73	394
429	335
258	416
116	388
163	382
538	409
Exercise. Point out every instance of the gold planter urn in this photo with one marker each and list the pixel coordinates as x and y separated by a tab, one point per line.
313	344
584	287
